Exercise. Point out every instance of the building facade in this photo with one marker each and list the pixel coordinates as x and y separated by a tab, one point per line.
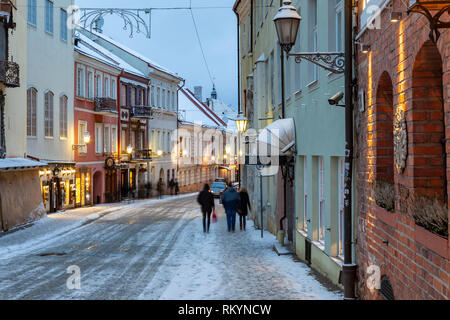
203	143
162	98
402	154
18	176
50	92
96	120
313	218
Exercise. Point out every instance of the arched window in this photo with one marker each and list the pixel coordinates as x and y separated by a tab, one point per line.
31	112
63	116
426	130
383	141
48	114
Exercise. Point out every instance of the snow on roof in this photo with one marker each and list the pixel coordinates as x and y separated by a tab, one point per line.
134	53
195	111
96	51
19	164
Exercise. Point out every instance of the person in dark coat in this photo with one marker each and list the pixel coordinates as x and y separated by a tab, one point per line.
206	200
244	205
160	187
231	202
177	188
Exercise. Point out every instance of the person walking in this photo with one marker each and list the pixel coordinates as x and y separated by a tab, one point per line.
160	187
231	202
171	186
206	200
177	187
243	206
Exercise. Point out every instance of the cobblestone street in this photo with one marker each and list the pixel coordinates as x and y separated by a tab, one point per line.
150	250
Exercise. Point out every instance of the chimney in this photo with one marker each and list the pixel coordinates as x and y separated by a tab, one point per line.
198	93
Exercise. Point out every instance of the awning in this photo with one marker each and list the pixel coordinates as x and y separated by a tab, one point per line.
279	137
18	164
226	168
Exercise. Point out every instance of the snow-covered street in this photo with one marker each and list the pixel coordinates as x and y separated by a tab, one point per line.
150	250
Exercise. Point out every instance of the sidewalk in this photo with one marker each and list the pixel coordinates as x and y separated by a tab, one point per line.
22	238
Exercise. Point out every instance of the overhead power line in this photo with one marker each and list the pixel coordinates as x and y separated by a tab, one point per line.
201	47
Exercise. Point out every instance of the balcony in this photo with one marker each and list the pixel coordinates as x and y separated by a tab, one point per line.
9	74
105	105
141	112
145	154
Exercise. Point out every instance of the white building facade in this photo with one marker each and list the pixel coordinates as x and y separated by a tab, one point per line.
50	89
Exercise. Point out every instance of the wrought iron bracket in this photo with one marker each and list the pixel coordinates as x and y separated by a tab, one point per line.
331	61
435	20
93	19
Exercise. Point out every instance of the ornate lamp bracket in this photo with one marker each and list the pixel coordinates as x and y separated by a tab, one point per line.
331	61
435	20
133	19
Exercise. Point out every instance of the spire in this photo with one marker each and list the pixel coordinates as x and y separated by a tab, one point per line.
214	92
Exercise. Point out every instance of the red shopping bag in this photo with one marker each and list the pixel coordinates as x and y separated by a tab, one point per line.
214	217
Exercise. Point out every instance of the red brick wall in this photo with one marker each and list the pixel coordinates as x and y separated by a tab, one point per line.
415	260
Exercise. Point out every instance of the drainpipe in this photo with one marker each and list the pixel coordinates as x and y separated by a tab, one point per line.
349	268
283	116
119	135
178	148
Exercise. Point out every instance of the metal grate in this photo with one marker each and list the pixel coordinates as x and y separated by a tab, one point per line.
386	290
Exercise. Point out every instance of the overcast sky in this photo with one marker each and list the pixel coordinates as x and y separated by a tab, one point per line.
174	44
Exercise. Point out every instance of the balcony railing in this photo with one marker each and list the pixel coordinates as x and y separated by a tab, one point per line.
9	74
145	154
141	112
108	105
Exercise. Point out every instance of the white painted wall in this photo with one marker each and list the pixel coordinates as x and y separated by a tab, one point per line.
51	67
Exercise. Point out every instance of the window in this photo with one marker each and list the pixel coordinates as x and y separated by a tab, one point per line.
341	206
31	112
272	79
106	139
32	12
123	94
63	27
113	89
113	139
158	98
153	96
133	96
163	98
321	200
243	40
63	117
98	138
82	128
174	103
48	114
98	85
338	29
49	17
266	84
106	87
123	140
90	85
80	82
313	41
305	194
279	73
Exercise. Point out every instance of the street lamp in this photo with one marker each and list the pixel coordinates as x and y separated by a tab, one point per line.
241	124
129	149
86	140
287	22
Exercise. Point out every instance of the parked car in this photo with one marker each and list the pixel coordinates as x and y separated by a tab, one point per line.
217	188
220	180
